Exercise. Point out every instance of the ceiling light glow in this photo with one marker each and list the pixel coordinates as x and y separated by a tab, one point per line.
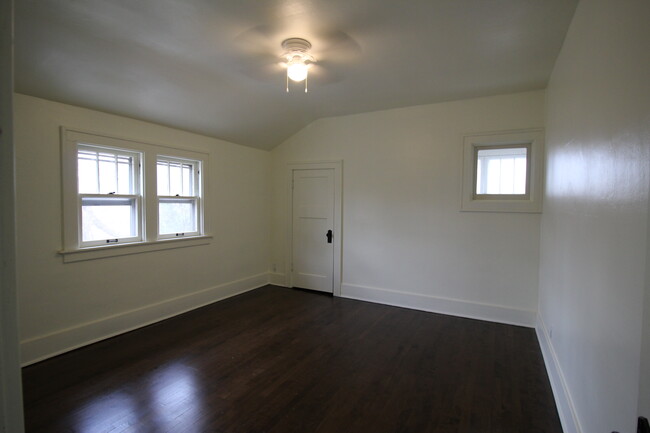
296	54
297	70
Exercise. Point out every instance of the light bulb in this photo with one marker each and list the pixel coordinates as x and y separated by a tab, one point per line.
297	70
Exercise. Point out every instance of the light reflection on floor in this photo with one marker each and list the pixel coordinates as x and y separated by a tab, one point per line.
170	395
176	397
110	412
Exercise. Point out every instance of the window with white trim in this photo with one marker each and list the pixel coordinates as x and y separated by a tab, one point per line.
502	171
179	197
109	195
124	193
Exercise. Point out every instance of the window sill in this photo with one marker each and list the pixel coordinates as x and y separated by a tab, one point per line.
496	205
92	253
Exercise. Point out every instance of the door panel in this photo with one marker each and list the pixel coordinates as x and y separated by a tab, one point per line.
313	216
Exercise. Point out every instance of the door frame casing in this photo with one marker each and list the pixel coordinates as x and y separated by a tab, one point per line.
337	166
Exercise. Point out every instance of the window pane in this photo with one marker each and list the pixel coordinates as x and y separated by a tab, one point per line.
176	216
175	178
187	180
125	175
87	172
501	171
506	176
107	173
103	172
108	218
163	178
520	176
493	176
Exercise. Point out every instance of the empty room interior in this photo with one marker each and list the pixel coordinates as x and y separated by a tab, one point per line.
325	215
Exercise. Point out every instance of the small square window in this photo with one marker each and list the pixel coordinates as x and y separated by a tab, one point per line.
502	171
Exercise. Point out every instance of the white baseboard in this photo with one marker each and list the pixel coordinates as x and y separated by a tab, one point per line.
563	401
45	346
278	279
453	307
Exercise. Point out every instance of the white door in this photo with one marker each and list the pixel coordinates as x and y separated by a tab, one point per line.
312	229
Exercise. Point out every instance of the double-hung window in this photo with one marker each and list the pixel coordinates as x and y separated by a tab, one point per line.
179	197
109	195
124	193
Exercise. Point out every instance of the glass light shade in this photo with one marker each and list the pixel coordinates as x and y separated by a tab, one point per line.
297	70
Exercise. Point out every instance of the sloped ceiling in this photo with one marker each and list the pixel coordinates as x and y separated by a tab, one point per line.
212	66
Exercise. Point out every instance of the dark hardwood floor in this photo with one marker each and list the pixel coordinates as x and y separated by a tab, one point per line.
282	360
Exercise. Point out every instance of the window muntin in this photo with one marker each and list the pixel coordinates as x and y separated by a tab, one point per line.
108	187
179	197
501	170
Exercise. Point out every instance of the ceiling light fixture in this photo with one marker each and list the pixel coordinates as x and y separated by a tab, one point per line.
296	53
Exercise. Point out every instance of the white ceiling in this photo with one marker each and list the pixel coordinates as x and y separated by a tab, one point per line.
211	66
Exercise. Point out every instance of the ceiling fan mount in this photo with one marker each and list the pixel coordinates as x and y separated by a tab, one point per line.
296	45
265	52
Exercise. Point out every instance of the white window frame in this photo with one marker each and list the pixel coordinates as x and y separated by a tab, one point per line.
136	196
195	197
531	201
74	250
484	173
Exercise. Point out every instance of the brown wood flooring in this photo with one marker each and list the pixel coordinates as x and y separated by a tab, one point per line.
282	360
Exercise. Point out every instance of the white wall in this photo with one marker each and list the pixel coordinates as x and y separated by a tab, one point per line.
593	234
66	305
405	241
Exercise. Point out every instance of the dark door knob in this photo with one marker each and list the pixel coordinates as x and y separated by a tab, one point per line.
329	236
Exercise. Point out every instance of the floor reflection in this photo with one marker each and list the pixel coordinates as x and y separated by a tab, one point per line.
171	396
176	398
110	412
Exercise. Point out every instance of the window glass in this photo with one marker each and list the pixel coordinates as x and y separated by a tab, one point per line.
178	197
176	216
108	201
109	218
107	183
101	171
501	171
88	172
175	178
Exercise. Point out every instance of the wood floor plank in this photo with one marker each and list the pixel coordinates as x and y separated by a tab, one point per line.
280	360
